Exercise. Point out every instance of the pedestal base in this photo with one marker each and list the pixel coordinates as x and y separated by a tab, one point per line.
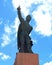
26	59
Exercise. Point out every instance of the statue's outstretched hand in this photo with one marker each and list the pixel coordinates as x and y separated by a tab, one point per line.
18	8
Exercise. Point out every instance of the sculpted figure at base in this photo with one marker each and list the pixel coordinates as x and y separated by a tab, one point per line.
24	40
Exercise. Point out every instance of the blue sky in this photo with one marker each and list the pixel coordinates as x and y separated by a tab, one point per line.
41	35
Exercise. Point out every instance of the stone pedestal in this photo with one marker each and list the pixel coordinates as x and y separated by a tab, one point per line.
26	59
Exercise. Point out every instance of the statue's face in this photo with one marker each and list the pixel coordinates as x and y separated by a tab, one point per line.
28	18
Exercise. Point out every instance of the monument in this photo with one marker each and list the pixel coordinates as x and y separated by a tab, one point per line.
25	55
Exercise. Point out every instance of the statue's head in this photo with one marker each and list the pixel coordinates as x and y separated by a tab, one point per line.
28	18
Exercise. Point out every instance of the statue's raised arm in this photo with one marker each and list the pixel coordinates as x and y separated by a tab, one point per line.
24	29
19	14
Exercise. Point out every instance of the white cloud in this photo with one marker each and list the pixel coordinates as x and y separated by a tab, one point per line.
43	19
25	5
6	36
1	54
43	23
7	29
5	39
4	56
16	3
42	16
48	63
15	25
34	41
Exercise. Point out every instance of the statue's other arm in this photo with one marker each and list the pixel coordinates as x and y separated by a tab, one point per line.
19	15
30	29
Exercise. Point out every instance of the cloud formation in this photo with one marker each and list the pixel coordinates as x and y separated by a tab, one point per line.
43	23
42	15
6	40
4	56
43	19
48	63
15	25
25	5
7	29
6	36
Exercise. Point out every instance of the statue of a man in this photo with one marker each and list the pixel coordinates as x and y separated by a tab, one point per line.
24	40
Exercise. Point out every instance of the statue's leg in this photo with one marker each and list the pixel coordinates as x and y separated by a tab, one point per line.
22	43
28	42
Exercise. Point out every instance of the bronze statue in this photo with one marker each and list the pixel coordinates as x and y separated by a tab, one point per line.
24	40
